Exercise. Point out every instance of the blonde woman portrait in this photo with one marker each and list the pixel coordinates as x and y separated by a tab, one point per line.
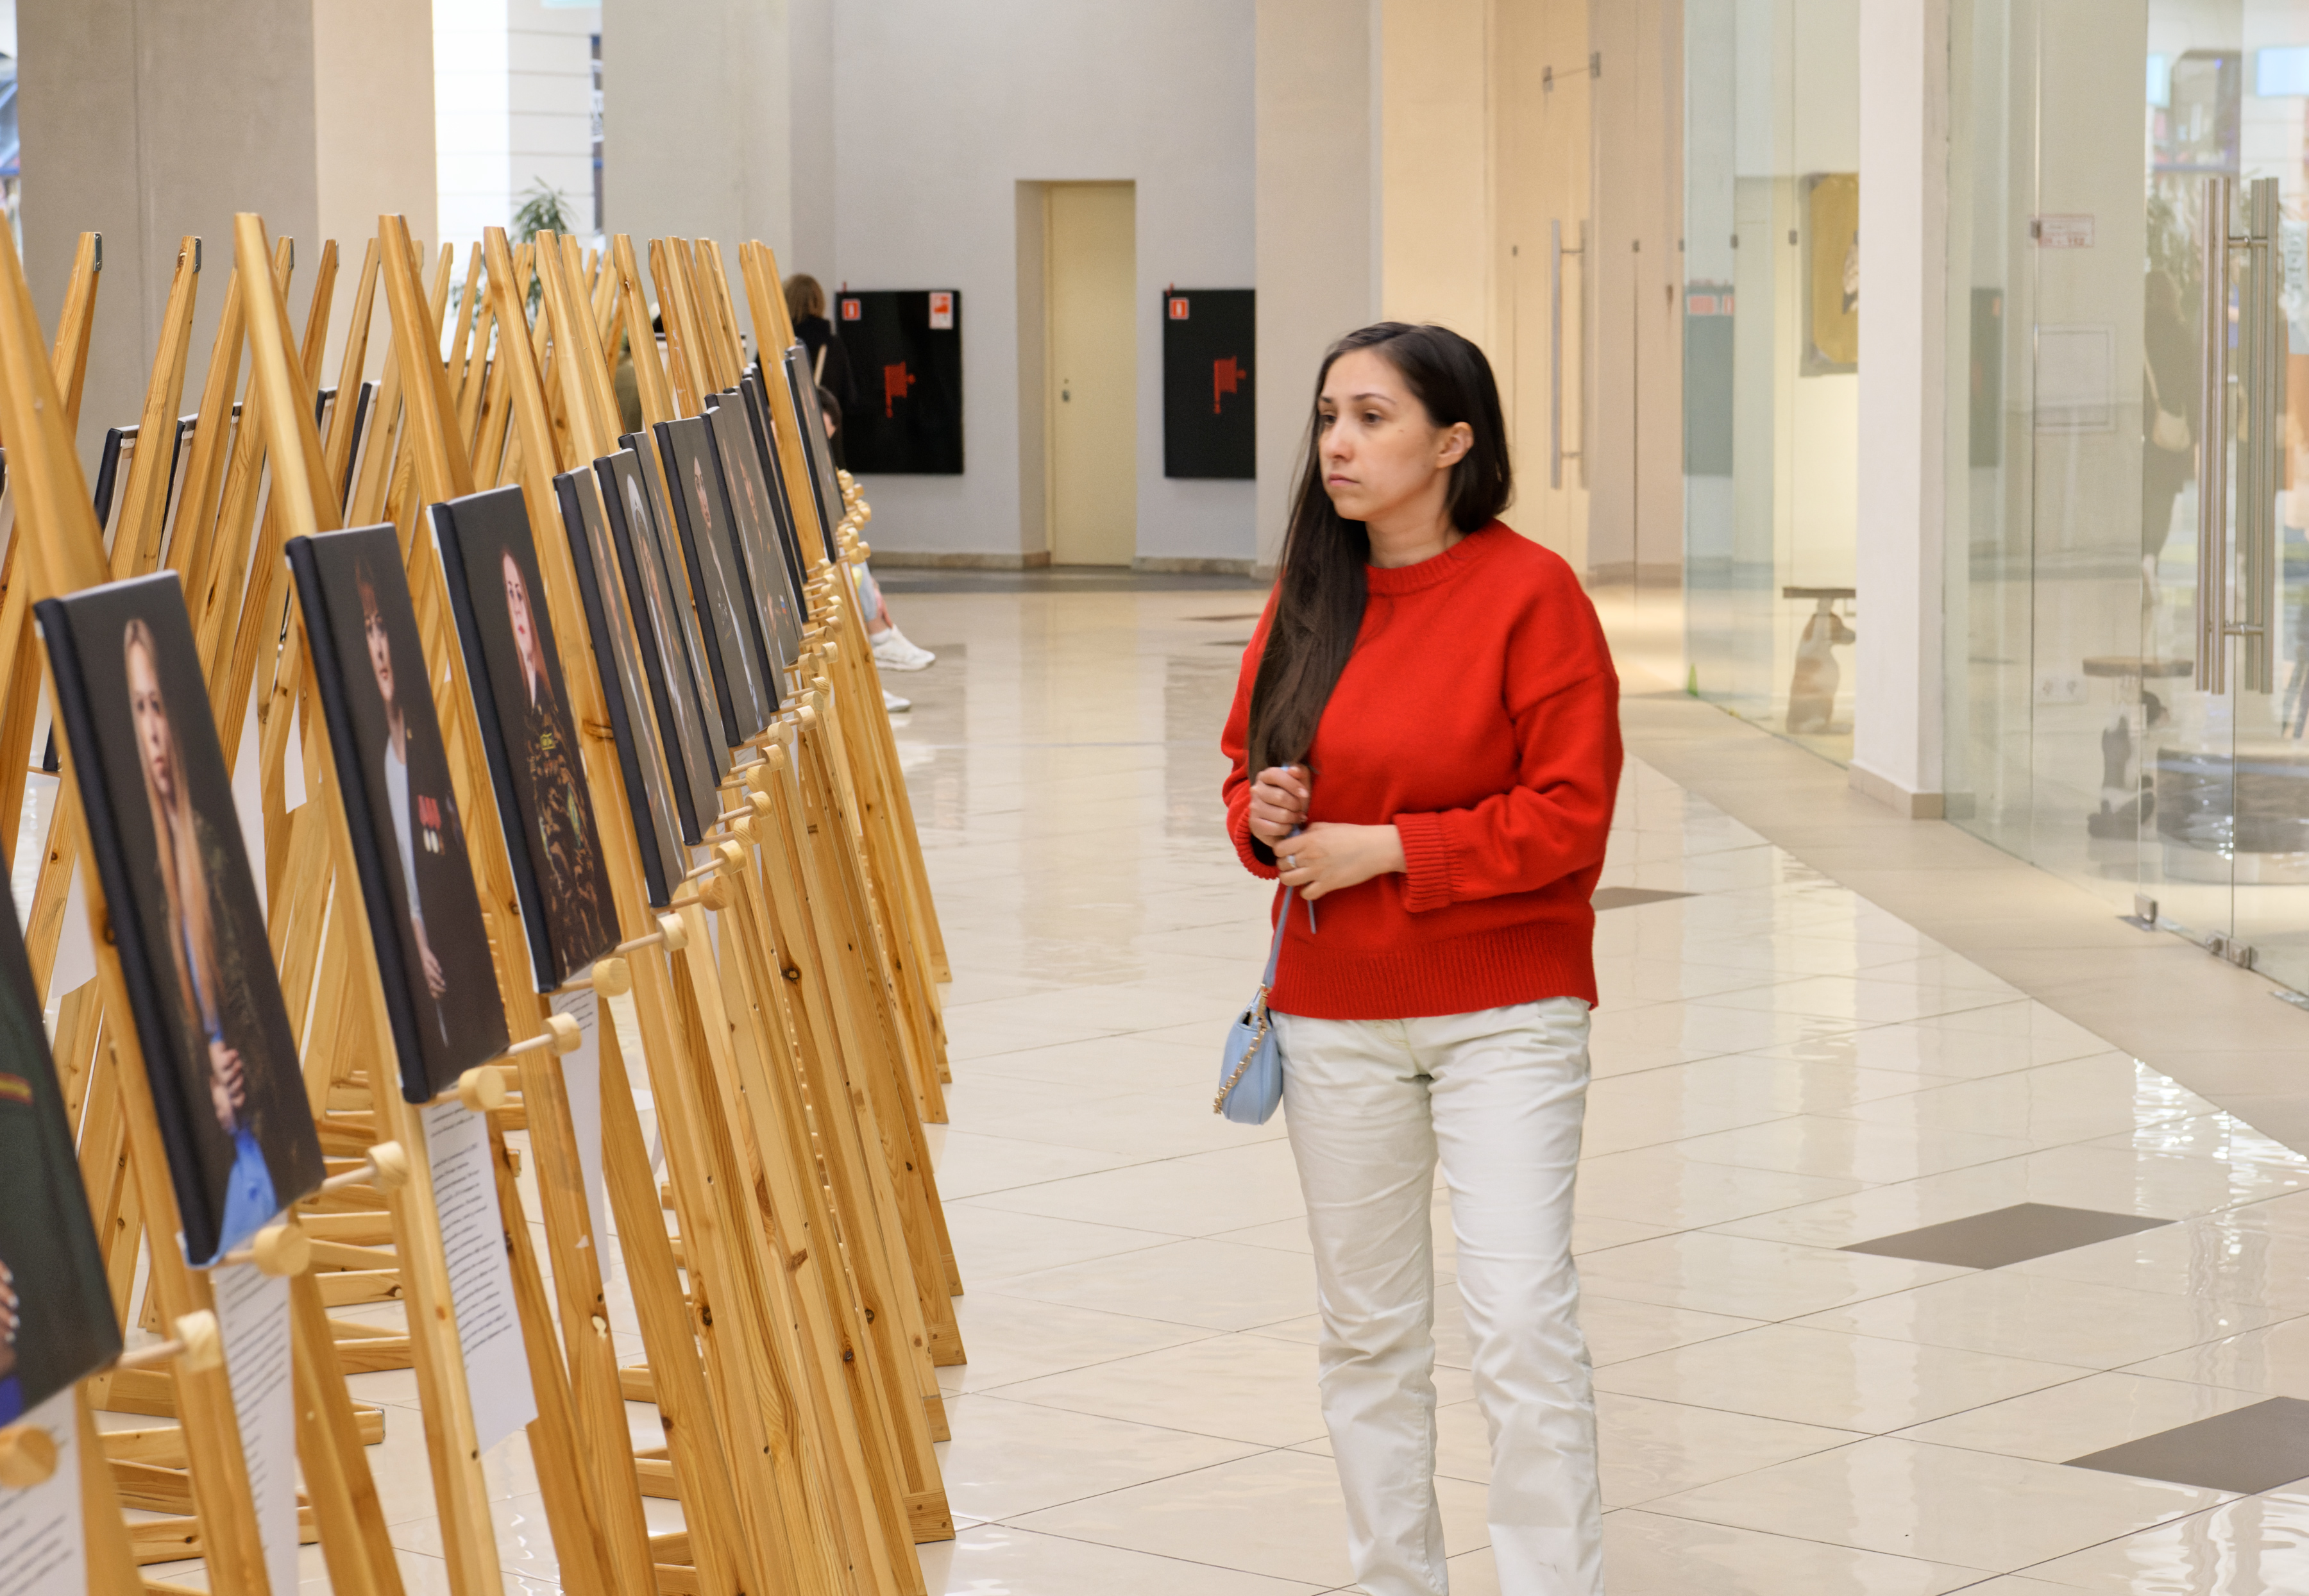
187	925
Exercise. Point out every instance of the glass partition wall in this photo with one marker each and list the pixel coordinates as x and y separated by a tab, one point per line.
1771	356
2129	364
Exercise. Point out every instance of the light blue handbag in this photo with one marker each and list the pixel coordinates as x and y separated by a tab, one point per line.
1250	1072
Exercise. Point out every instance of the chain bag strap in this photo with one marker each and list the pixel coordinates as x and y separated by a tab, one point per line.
1250	1070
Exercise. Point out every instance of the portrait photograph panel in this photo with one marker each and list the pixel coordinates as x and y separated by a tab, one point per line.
825	488
535	765
407	838
57	1324
649	796
218	1047
781	515
717	577
775	599
671	651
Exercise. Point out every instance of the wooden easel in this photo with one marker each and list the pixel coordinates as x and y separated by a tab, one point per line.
789	1071
765	1263
852	872
62	553
901	1411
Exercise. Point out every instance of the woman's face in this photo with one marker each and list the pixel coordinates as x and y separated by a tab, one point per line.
524	635
1380	448
380	652
151	717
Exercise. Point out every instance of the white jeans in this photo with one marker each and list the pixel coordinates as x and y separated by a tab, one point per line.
1500	1094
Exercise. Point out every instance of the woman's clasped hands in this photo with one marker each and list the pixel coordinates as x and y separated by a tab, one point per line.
1322	855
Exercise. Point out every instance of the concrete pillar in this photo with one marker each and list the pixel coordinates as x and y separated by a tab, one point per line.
698	124
1897	719
1316	230
146	120
373	141
1436	208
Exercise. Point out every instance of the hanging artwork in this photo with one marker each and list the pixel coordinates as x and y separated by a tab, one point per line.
905	361
57	1324
407	838
717	579
535	765
218	1047
1209	405
648	795
1831	273
672	650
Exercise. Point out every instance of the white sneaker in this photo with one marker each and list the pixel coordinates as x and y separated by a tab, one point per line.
896	704
891	652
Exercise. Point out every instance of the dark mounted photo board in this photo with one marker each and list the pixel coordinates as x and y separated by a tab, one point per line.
905	360
776	601
671	648
649	796
1209	407
407	838
218	1047
758	415
824	488
57	1324
717	579
536	767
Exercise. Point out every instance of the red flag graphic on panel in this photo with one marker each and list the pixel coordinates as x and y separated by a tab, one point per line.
1226	377
895	381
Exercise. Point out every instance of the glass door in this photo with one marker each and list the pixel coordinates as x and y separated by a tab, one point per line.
2224	798
2128	686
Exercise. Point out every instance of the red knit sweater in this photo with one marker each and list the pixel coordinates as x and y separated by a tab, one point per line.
1479	714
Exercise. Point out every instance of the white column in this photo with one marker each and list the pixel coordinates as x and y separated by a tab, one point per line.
1897	717
698	124
1316	228
145	120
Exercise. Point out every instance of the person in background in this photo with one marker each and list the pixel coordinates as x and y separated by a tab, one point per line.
829	362
893	649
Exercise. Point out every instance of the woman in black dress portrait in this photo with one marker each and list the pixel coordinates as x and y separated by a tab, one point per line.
544	750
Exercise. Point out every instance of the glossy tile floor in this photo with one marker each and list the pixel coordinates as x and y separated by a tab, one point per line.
1783	1070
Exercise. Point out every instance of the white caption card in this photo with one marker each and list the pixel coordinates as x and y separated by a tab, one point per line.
481	1279
581	1078
292	772
76	954
248	797
253	1312
42	1550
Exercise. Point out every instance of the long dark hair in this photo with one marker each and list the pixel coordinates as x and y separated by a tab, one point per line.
1319	597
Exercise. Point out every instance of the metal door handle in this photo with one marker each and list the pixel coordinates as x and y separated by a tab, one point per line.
2260	396
1556	453
2211	616
2260	473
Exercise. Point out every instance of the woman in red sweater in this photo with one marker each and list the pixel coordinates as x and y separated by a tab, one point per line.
1425	743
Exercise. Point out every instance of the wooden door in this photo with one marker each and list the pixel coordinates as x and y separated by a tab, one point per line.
1091	235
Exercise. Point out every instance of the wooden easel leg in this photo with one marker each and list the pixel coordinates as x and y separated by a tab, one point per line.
694	1439
353	1539
570	1510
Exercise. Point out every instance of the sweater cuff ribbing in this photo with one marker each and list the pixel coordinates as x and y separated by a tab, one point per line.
1256	856
1426	862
